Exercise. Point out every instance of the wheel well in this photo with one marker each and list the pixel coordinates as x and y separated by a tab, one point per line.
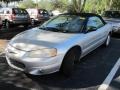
110	33
77	48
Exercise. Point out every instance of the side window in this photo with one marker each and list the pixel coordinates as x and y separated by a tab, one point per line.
24	11
16	11
45	12
40	11
94	23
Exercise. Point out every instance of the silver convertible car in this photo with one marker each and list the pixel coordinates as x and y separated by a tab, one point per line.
58	43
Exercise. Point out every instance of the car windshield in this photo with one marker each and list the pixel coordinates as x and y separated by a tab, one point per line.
64	23
112	14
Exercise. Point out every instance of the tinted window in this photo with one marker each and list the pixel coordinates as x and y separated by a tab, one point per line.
22	11
19	11
45	12
40	11
16	11
94	23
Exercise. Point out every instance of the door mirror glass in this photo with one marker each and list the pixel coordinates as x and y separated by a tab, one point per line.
90	29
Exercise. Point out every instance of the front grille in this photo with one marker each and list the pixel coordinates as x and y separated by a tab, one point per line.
17	64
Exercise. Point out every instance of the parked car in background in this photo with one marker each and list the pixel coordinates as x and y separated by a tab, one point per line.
58	43
113	17
38	15
15	16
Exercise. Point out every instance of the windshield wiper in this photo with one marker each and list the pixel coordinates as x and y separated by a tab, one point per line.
55	29
44	28
50	29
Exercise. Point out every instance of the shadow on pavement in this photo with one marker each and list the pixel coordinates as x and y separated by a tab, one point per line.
6	86
116	35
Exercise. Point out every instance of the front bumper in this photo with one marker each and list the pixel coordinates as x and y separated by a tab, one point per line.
35	66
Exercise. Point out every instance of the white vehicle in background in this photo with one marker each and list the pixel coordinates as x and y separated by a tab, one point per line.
113	17
38	15
56	12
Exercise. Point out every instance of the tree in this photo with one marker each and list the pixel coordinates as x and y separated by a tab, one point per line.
78	5
83	6
62	5
45	4
97	6
115	5
27	4
8	1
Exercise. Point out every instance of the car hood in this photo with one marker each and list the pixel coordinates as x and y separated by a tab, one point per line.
36	38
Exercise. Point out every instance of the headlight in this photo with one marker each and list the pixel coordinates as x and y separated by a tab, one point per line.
42	53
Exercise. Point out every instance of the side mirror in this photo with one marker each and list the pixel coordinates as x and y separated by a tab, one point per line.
90	29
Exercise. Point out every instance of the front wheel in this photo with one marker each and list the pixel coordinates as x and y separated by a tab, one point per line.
26	26
107	41
7	24
68	62
32	22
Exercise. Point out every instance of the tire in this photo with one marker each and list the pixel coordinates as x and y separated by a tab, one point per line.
32	22
107	41
7	24
26	26
68	62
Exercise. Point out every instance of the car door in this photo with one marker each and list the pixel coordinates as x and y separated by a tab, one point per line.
95	34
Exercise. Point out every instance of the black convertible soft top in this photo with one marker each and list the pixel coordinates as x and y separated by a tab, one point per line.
82	14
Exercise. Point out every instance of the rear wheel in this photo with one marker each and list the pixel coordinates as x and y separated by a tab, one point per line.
69	61
7	24
26	26
107	41
32	22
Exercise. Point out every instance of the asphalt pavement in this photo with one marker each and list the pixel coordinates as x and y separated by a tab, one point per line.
89	74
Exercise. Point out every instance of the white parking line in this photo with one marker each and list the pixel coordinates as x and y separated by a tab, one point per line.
110	76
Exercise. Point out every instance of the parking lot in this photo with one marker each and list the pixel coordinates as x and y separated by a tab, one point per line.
89	74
